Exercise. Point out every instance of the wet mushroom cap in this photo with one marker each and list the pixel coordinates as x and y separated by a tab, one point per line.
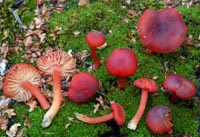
122	62
181	86
95	38
161	31
146	84
19	73
83	88
118	113
158	119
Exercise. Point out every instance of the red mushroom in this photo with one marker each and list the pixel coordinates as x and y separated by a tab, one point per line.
158	120
22	82
161	31
118	115
83	88
59	64
179	86
122	62
147	85
95	39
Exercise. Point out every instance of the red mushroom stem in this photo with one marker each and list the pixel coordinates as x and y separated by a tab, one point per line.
96	120
121	82
57	99
36	93
135	120
95	58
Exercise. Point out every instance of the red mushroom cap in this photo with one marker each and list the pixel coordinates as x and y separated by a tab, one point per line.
146	84
161	31
13	82
122	62
118	113
83	88
158	119
182	87
95	38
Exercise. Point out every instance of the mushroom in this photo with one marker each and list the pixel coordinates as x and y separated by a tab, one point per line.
158	119
118	115
122	62
95	39
22	83
59	64
161	31
147	85
83	88
179	86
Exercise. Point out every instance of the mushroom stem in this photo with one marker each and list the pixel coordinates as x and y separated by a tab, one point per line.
95	58
121	82
96	120
173	98
57	99
135	120
35	91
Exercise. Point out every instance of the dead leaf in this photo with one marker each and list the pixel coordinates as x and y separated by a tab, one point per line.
32	104
101	101
96	107
28	41
10	112
83	3
13	130
27	122
43	37
133	13
3	123
39	21
4	49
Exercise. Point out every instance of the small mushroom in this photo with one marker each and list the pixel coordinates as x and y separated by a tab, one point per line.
22	83
179	86
147	85
161	31
122	62
59	64
118	115
158	120
83	88
95	39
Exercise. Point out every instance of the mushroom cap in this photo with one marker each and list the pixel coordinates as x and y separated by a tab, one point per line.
146	84
118	113
181	86
158	119
19	73
83	88
161	31
57	60
95	38
122	62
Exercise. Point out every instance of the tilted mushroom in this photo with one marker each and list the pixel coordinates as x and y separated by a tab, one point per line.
147	86
59	64
22	83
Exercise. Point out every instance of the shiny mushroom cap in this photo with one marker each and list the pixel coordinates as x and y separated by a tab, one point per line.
118	113
161	31
60	60
146	84
83	88
158	119
13	82
95	38
122	62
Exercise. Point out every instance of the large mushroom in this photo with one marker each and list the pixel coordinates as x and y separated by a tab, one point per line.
22	83
122	62
118	115
83	88
59	64
158	120
161	31
95	39
147	86
179	86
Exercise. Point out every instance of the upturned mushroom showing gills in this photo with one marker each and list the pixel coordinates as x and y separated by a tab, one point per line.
179	86
82	88
95	39
122	62
59	64
158	119
22	83
147	85
161	31
118	115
